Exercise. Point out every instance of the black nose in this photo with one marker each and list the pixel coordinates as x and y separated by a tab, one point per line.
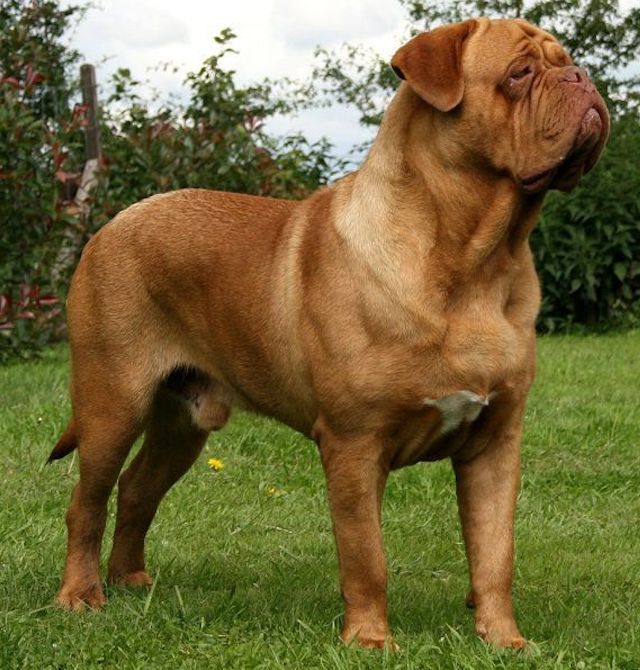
574	74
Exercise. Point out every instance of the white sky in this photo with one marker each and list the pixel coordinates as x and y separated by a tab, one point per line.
276	38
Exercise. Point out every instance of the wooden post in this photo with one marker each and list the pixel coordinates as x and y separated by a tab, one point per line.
90	100
92	140
75	232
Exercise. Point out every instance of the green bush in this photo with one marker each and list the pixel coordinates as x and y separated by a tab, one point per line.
217	141
37	155
41	146
28	321
587	246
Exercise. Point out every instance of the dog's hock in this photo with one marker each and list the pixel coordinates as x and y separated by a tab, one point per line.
458	407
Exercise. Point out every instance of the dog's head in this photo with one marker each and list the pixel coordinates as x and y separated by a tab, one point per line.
517	100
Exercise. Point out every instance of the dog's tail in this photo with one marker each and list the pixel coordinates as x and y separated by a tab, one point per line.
66	444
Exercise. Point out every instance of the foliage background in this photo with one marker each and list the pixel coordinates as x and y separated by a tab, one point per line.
587	245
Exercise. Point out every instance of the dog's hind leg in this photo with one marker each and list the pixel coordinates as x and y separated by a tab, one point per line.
106	427
172	443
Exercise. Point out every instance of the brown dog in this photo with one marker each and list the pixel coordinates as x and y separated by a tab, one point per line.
390	317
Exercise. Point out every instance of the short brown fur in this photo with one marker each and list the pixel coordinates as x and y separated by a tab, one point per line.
390	317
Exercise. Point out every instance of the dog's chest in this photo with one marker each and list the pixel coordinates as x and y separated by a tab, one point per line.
455	409
427	385
440	428
483	346
460	382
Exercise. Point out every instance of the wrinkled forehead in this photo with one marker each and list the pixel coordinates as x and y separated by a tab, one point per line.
495	44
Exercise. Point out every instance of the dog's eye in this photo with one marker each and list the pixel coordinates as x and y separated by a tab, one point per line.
520	74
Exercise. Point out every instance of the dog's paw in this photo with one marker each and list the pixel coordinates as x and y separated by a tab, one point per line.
76	599
137	578
368	638
366	642
504	635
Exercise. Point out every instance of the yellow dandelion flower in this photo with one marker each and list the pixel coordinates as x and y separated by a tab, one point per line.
273	491
215	464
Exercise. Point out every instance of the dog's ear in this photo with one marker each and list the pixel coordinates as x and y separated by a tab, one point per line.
431	64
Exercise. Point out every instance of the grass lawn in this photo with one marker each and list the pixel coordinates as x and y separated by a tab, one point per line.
245	566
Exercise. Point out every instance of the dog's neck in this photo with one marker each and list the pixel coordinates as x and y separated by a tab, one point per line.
408	170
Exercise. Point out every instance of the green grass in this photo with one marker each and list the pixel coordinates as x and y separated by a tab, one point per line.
248	579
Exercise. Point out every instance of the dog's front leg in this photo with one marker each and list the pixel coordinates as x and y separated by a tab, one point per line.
487	487
356	476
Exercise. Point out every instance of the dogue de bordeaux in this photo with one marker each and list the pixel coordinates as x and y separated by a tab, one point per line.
389	317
